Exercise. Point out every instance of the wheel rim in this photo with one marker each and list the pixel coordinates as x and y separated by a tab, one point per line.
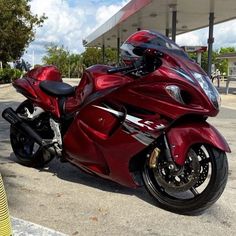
25	147
193	189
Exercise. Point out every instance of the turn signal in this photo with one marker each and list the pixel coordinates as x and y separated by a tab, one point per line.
174	92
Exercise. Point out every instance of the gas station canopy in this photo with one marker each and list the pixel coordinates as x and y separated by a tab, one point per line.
157	15
170	17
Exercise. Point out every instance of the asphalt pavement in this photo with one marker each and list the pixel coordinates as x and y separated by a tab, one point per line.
62	198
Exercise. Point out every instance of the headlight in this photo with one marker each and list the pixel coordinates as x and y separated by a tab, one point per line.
183	74
208	88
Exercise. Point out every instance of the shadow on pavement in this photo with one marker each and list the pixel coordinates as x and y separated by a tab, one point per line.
4	125
71	173
67	171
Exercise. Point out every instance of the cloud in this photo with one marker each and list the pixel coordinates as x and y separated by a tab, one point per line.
105	12
224	36
190	39
68	23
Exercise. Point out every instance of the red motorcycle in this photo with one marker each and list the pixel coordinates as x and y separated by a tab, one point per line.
142	123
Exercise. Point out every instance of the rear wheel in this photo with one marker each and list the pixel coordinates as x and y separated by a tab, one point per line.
192	189
28	152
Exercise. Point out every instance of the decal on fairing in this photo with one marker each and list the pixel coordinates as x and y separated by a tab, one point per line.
117	113
142	136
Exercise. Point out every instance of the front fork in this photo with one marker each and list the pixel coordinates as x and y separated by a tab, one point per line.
153	157
179	139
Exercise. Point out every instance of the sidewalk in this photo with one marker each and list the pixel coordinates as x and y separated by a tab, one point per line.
228	100
26	228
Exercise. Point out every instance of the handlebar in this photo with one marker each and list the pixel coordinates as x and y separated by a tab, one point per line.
120	69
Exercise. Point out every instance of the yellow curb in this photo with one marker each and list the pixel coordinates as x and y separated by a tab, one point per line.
5	223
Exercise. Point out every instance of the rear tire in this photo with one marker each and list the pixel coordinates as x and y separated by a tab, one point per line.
27	152
172	200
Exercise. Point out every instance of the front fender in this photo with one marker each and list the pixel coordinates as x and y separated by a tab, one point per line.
183	136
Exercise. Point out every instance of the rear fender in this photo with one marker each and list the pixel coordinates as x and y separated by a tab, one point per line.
24	87
182	137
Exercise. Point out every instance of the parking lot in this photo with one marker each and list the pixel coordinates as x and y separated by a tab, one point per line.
63	198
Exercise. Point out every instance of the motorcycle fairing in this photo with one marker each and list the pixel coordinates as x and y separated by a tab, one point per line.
183	136
104	137
29	87
106	155
42	73
95	80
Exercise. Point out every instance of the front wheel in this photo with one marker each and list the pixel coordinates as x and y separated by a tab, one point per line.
195	187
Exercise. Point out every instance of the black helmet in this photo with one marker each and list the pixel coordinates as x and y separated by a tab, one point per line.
134	48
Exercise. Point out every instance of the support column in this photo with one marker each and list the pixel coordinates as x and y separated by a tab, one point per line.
103	53
118	50
167	32
210	42
199	58
174	22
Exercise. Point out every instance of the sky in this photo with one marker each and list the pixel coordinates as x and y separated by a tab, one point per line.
69	21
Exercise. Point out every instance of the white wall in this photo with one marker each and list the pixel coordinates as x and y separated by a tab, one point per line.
232	66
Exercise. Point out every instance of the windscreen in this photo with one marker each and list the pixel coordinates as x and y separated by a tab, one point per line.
160	41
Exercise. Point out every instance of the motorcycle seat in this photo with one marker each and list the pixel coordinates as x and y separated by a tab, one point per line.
57	89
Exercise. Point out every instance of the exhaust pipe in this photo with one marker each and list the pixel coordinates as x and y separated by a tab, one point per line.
11	116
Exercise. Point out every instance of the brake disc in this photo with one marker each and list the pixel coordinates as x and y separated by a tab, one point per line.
184	180
204	164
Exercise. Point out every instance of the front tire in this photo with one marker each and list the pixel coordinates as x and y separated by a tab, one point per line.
206	188
27	152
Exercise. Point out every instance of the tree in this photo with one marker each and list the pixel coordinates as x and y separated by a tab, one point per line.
73	65
59	57
17	28
76	66
70	65
204	59
93	56
222	64
110	56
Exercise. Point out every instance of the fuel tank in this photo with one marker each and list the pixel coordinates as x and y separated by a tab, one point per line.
95	82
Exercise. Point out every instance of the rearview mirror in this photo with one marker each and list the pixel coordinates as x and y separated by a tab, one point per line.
151	52
152	59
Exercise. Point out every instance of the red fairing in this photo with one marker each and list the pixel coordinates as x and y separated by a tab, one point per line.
82	91
183	136
94	79
24	87
94	147
102	127
101	80
29	87
44	73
